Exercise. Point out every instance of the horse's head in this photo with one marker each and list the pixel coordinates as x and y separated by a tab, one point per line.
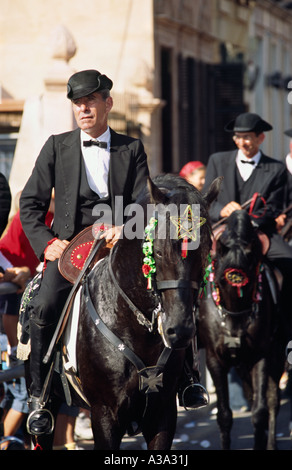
237	260
178	247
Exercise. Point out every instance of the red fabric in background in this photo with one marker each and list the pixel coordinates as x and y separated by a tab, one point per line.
15	246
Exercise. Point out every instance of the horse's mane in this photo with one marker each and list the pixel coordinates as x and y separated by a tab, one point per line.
238	246
173	184
167	183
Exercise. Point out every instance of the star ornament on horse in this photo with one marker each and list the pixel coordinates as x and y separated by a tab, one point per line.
187	226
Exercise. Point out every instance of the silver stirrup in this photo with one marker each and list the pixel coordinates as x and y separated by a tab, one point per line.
203	390
37	414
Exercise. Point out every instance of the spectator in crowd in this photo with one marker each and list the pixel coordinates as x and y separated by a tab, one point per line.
194	172
5	205
20	263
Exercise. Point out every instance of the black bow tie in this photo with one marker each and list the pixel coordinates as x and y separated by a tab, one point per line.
89	143
246	161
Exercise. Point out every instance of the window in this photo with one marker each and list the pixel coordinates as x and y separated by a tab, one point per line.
7	148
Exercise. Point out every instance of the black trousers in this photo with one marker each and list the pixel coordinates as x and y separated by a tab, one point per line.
44	312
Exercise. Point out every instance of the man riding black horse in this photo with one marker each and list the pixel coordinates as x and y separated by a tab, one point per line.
87	166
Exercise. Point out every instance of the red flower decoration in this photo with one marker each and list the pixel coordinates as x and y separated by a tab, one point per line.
146	269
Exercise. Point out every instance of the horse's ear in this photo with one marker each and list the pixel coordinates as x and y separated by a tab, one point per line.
156	196
213	190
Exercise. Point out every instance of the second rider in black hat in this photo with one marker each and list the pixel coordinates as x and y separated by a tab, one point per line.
247	171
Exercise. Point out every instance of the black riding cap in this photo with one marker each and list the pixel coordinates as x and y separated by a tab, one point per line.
86	82
248	122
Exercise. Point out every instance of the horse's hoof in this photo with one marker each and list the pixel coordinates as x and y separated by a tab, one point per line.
194	396
40	422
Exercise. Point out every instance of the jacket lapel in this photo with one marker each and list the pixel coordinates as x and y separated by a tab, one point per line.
70	165
119	165
260	175
229	175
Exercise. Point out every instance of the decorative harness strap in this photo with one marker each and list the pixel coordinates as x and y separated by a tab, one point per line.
150	378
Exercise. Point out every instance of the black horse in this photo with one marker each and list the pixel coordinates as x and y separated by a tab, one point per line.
238	326
136	315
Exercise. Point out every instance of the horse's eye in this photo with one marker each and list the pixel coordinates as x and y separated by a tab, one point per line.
158	254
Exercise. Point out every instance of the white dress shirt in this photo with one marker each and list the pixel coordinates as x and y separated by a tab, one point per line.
96	162
246	169
289	162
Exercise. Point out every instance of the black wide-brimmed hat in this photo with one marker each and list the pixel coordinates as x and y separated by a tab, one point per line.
288	132
248	122
86	82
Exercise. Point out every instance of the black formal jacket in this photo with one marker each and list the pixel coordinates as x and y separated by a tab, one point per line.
268	178
5	202
59	166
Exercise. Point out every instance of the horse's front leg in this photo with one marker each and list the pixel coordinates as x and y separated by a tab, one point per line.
260	412
224	415
159	424
273	401
107	433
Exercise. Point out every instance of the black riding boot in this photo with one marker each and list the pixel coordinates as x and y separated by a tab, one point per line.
191	393
40	420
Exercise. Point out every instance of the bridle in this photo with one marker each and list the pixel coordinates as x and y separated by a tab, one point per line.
233	342
154	285
157	287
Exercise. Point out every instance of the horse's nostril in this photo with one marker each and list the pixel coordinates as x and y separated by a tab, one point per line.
179	335
171	332
177	341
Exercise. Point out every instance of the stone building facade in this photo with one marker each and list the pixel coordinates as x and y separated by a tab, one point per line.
181	70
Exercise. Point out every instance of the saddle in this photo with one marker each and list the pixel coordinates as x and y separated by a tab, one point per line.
76	253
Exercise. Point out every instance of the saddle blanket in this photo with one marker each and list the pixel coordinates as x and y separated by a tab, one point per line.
70	332
70	335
